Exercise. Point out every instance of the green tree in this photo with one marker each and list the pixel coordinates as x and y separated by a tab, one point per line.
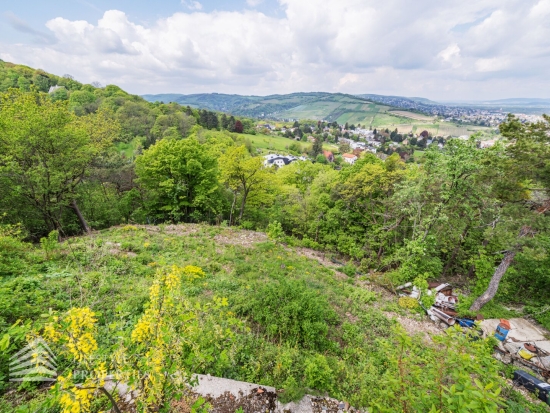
321	159
180	177
81	98
244	175
46	152
317	148
526	178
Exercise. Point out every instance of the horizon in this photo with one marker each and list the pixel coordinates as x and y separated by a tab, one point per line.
446	53
358	94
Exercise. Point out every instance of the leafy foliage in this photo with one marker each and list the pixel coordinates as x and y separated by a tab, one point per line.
290	311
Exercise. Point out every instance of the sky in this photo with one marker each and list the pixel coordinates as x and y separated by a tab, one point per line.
442	50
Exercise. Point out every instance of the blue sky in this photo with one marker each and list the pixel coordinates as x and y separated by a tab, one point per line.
487	49
36	13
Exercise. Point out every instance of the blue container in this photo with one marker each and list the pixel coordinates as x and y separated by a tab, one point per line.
464	322
501	333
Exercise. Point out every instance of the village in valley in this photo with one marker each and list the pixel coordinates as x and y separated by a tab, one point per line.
344	144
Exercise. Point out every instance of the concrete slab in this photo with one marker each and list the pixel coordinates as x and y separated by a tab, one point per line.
521	329
545	345
225	395
217	386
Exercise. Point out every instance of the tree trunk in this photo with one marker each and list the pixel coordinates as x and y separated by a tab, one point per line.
495	281
243	203
83	223
232	208
491	290
455	251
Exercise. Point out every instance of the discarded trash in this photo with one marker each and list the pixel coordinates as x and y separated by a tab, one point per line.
444	306
534	385
502	330
442	316
464	322
525	354
525	345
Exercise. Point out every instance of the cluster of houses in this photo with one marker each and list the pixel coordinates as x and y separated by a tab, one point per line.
369	146
281	160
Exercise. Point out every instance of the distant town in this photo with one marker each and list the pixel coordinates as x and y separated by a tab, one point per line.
457	114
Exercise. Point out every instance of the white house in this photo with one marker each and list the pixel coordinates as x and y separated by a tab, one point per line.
278	160
349	158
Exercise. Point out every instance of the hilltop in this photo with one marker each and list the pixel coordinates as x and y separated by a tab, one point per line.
286	316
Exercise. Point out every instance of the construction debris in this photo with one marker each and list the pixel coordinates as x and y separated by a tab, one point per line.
534	385
444	307
519	341
524	345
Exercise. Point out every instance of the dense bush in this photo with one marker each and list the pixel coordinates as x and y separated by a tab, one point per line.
290	311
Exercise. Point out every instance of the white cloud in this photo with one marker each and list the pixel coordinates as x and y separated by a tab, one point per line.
541	9
192	5
493	64
348	78
346	45
450	52
254	3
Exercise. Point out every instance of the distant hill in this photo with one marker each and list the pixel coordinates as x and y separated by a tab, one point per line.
377	98
253	106
315	106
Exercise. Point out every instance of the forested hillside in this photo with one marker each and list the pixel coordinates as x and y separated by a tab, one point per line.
331	107
151	298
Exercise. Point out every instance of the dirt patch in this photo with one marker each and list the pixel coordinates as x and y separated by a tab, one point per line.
114	247
242	238
172	229
327	405
182	229
383	293
412	326
258	400
320	258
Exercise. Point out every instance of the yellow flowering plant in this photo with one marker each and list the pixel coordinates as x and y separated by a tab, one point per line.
150	358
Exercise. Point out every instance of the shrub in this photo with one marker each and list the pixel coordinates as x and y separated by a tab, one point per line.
275	231
348	269
50	243
290	311
318	373
408	302
12	251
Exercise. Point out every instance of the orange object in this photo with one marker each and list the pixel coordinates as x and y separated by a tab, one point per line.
505	323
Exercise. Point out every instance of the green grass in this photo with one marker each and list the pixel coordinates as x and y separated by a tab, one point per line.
128	149
270	142
299	326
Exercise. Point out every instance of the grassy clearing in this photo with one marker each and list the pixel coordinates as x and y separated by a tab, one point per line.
128	148
269	143
299	325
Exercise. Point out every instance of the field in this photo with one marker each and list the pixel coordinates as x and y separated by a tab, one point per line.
404	128
412	115
272	143
433	129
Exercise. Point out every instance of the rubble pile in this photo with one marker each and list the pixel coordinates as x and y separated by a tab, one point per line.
519	341
444	308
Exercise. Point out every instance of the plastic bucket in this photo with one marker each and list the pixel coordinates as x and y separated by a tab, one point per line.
501	332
